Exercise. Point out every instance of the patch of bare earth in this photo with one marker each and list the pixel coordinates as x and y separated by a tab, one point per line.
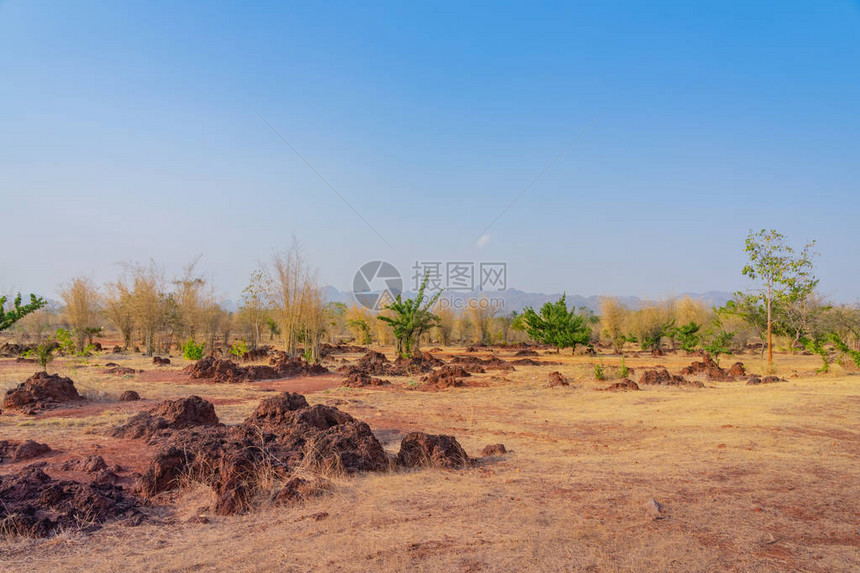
748	478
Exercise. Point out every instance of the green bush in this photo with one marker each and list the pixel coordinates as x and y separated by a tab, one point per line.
44	353
623	371
239	349
193	351
599	372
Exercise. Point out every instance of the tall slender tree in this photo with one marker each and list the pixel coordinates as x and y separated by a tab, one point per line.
785	275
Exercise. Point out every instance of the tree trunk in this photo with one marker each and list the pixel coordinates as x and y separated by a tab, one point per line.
769	329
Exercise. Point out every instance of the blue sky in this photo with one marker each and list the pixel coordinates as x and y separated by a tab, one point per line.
130	131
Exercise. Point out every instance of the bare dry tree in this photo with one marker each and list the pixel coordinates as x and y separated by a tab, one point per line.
288	282
254	310
481	313
613	321
148	303
444	328
82	300
118	308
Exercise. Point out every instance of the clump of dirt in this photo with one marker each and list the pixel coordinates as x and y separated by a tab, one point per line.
359	379
15	451
424	362
41	391
116	350
756	380
662	377
129	396
622	386
709	369
557	379
159	361
11	350
418	449
286	367
657	352
448	376
737	369
493	450
342	348
492	363
526	352
227	371
255	354
283	434
377	364
299	489
188	412
35	505
121	371
89	464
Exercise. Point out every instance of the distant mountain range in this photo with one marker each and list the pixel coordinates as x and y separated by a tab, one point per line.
517	300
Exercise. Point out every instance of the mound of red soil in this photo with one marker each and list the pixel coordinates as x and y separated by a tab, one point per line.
448	376
329	349
493	450
662	377
492	363
358	379
159	361
35	505
526	352
121	371
756	380
624	385
299	489
259	353
708	368
373	363
424	362
90	464
418	449
737	369
227	371
129	396
11	350
557	379
657	352
40	392
116	350
14	451
286	367
282	434
188	412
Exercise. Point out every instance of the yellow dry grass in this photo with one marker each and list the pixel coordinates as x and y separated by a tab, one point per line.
753	478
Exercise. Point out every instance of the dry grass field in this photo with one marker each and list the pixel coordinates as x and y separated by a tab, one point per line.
752	478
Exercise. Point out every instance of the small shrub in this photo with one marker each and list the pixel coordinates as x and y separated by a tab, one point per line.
193	351
599	372
623	371
65	340
239	349
44	354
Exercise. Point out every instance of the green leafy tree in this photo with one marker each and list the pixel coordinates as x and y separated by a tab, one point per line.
18	310
239	348
556	325
720	344
44	355
785	274
412	318
688	335
193	351
361	329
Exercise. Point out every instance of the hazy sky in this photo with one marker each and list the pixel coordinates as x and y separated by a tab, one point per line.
130	131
